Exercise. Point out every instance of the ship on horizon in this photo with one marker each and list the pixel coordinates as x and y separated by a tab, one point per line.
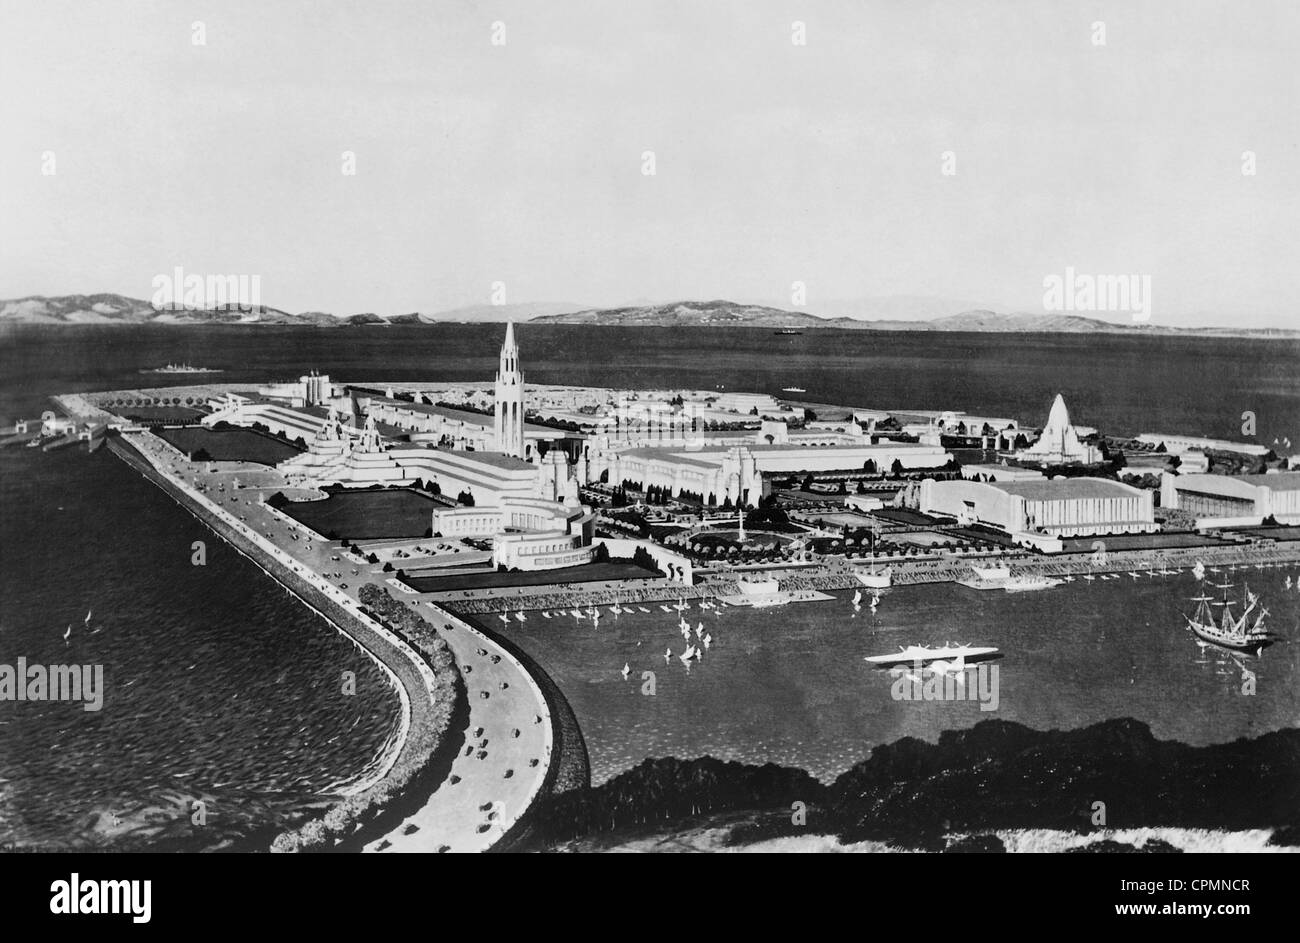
182	368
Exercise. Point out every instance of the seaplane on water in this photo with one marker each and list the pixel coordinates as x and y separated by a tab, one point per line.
948	659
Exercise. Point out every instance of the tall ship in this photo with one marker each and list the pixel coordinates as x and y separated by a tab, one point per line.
873	578
787	330
1238	633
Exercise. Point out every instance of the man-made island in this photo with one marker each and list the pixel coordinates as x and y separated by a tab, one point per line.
427	520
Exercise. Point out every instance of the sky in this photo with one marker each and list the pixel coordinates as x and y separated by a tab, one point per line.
517	167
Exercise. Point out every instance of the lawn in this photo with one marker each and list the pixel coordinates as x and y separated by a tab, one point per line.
159	413
229	445
591	572
367	515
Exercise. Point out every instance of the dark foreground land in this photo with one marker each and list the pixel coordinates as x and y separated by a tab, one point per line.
910	794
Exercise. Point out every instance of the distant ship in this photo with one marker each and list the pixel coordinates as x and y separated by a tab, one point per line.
181	368
787	330
1232	632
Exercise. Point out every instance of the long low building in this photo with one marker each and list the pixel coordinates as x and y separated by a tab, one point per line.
734	474
1058	507
294	422
1187	443
454	428
1233	499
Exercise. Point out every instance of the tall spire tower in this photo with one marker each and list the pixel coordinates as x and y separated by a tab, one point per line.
510	398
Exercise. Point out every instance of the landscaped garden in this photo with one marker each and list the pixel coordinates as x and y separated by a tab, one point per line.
588	573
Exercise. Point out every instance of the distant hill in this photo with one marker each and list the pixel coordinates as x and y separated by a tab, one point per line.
526	311
119	309
730	314
693	314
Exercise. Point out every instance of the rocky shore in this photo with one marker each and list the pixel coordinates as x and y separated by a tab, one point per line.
954	795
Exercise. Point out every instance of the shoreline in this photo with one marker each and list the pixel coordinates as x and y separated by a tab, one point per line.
913	573
400	664
437	828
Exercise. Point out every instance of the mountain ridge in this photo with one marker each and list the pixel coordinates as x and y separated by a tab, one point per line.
110	308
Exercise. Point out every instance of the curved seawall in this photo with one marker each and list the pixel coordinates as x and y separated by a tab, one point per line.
410	674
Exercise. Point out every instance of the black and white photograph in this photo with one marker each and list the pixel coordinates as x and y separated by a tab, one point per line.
650	426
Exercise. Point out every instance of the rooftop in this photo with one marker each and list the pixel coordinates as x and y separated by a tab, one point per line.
1059	489
1278	481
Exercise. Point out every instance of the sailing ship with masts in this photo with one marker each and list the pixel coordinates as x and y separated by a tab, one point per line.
1238	633
873	578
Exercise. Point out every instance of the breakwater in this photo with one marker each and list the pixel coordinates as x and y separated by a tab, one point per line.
411	676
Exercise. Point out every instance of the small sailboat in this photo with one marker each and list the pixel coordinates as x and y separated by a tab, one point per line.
668	655
665	608
520	616
545	614
708	640
1287	583
626	671
67	634
857	597
643	608
88	611
504	617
